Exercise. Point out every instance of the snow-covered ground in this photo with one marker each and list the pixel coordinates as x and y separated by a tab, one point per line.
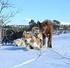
56	57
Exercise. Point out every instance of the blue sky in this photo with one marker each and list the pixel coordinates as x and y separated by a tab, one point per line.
41	10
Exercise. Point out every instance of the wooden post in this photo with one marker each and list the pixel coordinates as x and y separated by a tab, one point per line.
0	34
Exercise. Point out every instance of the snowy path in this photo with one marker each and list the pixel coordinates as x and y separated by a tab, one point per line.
57	57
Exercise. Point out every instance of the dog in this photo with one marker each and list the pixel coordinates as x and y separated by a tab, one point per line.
34	38
37	37
38	42
28	39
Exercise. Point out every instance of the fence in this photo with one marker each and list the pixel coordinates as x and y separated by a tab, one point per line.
2	33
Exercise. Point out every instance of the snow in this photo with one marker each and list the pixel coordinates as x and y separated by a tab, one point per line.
56	57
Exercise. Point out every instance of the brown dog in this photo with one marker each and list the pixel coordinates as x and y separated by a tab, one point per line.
46	28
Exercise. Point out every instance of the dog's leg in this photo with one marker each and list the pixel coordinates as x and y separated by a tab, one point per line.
41	43
49	41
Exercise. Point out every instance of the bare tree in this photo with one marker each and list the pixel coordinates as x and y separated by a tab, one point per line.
6	12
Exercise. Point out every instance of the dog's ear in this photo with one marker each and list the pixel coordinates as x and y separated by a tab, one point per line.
39	24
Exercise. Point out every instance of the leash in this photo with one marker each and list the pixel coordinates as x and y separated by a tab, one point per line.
28	61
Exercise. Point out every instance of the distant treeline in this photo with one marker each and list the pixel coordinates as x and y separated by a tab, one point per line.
56	26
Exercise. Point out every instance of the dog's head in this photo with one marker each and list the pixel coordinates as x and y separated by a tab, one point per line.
35	31
28	38
27	35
